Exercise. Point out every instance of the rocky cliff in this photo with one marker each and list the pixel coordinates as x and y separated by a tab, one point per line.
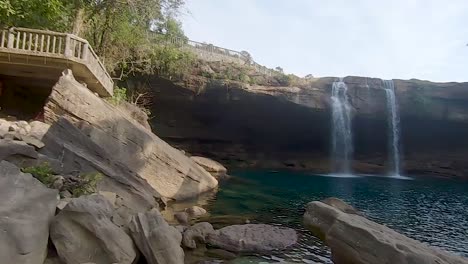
289	127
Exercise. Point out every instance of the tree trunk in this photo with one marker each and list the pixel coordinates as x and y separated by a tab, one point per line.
78	21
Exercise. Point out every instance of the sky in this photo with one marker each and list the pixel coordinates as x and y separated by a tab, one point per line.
390	39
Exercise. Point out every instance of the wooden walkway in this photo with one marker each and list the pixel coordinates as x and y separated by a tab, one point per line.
45	54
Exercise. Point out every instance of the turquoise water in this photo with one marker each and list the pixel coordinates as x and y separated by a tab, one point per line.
430	210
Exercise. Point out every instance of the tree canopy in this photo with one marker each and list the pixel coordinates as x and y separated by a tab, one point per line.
118	30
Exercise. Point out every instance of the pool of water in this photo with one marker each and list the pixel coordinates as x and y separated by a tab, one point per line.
433	211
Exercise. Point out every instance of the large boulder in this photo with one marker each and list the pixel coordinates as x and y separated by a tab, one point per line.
26	210
9	148
83	233
354	239
341	205
76	152
197	233
157	240
122	139
195	211
253	238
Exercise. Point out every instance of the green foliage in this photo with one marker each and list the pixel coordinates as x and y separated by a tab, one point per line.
117	30
88	184
120	95
279	69
170	61
41	172
244	78
42	14
284	80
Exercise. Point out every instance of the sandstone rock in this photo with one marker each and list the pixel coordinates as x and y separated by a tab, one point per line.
4	126
341	205
123	140
62	203
110	196
355	239
26	210
252	238
159	242
197	233
210	165
122	216
181	228
11	136
10	148
13	127
195	211
32	141
182	218
77	152
83	232
38	129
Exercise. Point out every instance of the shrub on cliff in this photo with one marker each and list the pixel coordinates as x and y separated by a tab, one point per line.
83	184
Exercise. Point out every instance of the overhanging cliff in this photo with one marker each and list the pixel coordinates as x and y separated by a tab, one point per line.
289	127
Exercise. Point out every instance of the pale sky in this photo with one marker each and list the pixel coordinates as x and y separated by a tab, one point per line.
401	39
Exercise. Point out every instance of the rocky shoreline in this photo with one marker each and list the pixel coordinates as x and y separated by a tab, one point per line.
92	184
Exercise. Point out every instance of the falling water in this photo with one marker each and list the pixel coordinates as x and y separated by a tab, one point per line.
342	145
393	127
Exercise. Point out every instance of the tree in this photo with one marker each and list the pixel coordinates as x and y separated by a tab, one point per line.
42	14
279	69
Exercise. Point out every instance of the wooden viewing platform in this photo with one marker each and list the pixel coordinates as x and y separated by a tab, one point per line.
45	54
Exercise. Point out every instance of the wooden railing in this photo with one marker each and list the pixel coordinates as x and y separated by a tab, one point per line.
241	56
55	44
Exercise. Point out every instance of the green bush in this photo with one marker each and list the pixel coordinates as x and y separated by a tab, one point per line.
41	172
88	184
244	78
284	79
120	96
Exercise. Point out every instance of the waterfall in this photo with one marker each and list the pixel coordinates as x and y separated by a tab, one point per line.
342	140
393	127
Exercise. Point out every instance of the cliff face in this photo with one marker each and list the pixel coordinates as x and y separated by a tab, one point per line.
289	127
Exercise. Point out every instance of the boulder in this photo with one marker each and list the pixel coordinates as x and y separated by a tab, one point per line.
182	218
357	240
76	152
341	205
122	139
38	129
110	196
181	228
213	167
4	127
196	233
159	242
10	148
83	232
195	211
122	216
253	238
26	210
32	141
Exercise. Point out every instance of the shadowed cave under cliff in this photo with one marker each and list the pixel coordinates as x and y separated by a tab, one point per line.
245	129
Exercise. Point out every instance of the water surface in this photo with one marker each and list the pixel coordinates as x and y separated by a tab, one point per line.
433	211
